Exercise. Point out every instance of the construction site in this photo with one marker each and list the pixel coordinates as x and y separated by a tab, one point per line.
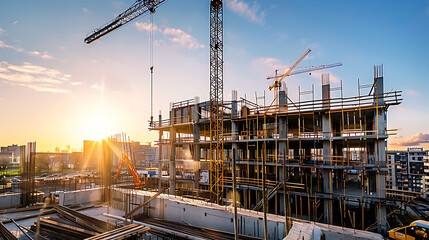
238	168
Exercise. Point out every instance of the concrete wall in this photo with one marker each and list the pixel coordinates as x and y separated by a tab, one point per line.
202	214
10	200
79	197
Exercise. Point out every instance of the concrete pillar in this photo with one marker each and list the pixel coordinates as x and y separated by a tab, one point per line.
326	173
282	130
326	91
172	162
380	178
282	99
327	203
196	142
160	153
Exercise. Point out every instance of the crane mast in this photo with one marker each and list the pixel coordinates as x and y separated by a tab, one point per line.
216	100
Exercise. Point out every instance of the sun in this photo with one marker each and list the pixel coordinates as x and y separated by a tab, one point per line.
97	127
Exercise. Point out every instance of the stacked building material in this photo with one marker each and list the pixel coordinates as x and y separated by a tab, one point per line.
5	233
91	223
128	231
53	228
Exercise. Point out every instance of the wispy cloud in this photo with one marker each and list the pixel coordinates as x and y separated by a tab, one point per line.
242	8
4	45
33	76
174	35
43	55
34	53
97	86
2	30
145	26
270	63
265	67
85	10
416	140
332	77
412	93
46	56
76	83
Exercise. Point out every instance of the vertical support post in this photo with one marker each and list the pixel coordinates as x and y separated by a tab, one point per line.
172	162
196	142
264	193
234	192
160	158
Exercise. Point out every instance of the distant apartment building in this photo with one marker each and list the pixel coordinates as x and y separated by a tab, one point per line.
144	155
58	161
10	155
408	170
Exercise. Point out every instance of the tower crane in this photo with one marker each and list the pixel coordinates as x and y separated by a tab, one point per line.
141	7
309	69
288	72
277	82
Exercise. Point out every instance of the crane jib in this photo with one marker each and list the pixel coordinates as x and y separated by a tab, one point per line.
137	9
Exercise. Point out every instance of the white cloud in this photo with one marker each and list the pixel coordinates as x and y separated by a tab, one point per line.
182	38
2	30
85	10
34	53
412	93
97	86
416	140
332	77
268	65
252	13
46	56
174	35
76	83
33	76
4	45
145	26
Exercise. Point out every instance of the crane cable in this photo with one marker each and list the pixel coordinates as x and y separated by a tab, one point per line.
151	68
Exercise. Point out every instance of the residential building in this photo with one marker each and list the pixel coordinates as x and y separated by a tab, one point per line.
10	155
408	170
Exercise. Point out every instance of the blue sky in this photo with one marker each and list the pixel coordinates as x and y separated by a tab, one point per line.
55	89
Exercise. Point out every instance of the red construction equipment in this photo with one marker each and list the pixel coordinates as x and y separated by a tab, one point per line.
131	167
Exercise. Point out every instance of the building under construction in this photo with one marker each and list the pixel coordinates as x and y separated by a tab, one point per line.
322	160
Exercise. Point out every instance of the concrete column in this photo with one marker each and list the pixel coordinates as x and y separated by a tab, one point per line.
380	155
327	203
160	153
282	130
282	100
172	162
326	173
196	143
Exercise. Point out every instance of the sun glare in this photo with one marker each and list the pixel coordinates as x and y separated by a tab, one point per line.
97	128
